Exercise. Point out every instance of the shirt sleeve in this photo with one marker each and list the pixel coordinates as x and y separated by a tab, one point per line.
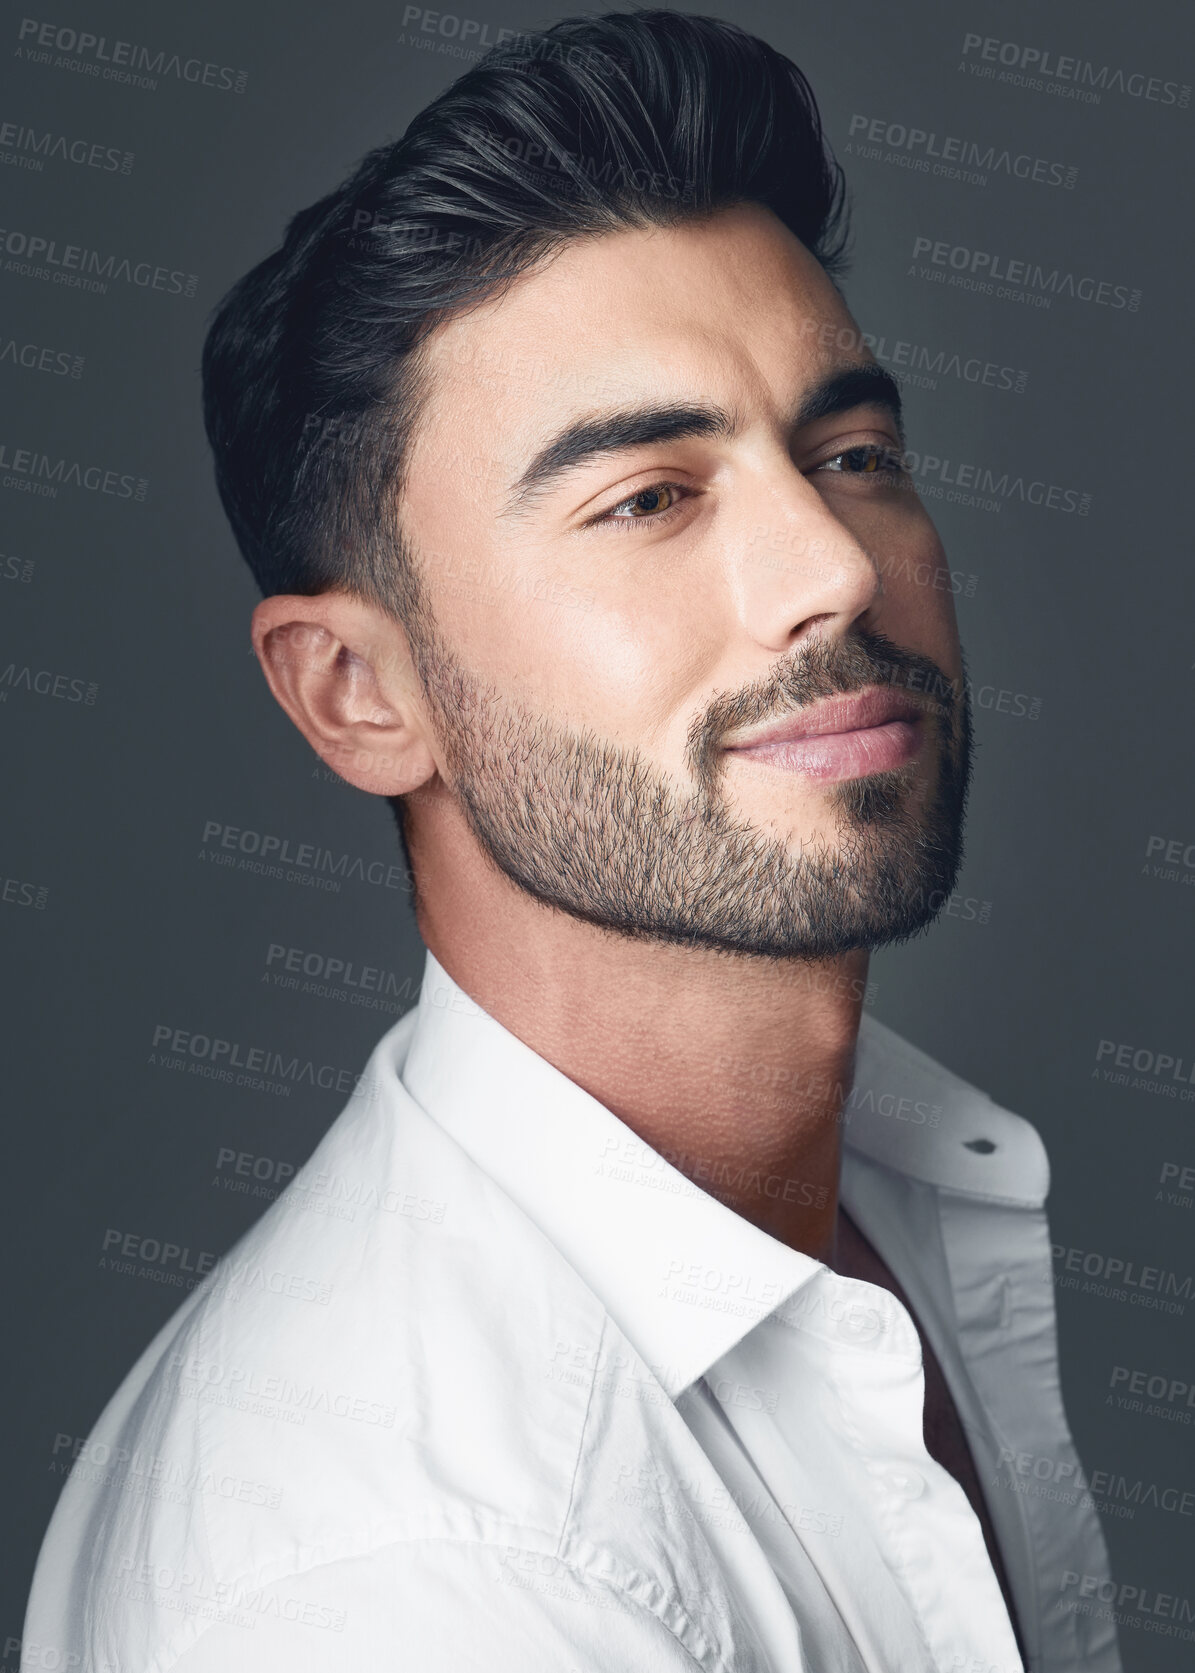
440	1606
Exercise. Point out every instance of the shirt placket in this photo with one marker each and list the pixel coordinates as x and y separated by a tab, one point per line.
910	1575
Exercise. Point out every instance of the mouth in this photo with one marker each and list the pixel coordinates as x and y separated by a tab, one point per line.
851	736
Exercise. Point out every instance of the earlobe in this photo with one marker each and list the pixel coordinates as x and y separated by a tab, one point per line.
342	673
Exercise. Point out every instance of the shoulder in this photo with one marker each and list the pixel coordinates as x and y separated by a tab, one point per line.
395	1360
454	1606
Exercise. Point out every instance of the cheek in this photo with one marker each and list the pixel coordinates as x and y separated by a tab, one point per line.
630	673
630	670
918	604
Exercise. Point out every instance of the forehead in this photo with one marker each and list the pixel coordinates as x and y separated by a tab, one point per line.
731	308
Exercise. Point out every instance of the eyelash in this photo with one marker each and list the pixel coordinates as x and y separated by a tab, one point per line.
891	460
610	519
890	465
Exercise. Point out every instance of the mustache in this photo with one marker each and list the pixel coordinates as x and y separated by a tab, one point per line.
826	668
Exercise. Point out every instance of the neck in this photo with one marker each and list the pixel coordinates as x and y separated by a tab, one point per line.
734	1068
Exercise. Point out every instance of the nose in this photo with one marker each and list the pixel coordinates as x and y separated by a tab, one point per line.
799	568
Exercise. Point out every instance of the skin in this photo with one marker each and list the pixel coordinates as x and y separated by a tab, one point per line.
766	548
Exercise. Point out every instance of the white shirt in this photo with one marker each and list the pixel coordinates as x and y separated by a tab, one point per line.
494	1388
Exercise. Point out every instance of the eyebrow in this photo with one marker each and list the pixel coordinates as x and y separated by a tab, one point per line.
861	385
616	432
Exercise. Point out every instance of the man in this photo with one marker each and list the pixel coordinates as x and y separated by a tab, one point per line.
649	1307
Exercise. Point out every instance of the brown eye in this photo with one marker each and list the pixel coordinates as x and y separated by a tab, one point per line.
647	506
648	501
867	460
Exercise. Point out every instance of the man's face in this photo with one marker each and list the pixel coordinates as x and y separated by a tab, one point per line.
655	525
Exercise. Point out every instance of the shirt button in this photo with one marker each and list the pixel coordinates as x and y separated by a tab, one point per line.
907	1483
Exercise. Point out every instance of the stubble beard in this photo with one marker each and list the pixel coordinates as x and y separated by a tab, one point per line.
598	831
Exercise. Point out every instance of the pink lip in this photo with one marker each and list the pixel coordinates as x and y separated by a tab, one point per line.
853	736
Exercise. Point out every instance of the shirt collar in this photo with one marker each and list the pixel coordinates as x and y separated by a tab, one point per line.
915	1117
682	1275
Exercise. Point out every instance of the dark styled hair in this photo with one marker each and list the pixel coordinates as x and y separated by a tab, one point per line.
311	367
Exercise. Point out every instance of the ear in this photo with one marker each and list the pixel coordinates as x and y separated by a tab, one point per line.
343	672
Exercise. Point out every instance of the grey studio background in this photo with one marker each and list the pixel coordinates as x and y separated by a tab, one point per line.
1046	412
